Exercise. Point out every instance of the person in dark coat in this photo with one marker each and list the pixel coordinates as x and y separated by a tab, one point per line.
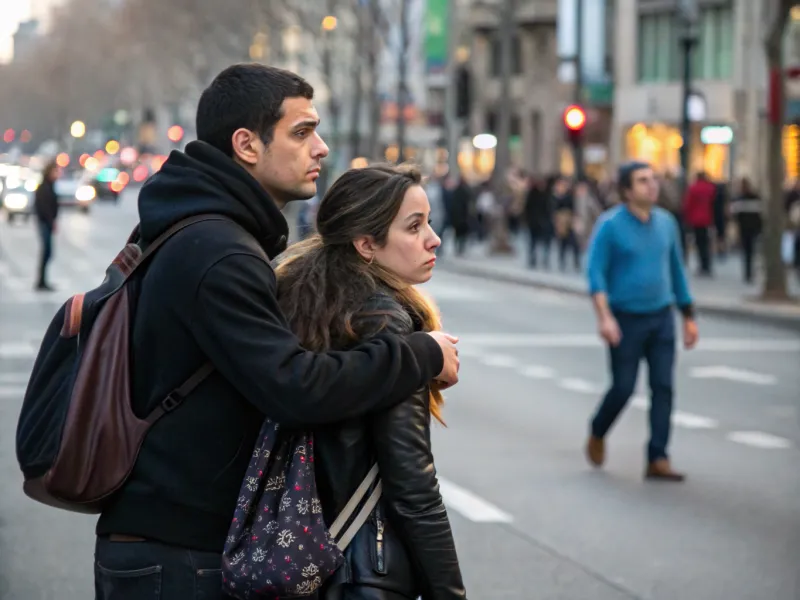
46	207
460	211
210	295
539	217
374	245
747	209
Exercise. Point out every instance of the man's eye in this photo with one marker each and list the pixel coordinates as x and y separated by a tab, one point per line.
302	133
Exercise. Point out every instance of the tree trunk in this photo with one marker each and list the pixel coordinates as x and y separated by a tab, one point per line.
402	81
376	47
775	280
499	234
358	89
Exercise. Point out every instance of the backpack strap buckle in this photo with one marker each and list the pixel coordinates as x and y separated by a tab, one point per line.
172	401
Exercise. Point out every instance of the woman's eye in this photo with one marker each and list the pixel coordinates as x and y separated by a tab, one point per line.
415	227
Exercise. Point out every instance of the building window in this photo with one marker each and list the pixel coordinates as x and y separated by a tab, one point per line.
660	54
659	59
714	52
497	55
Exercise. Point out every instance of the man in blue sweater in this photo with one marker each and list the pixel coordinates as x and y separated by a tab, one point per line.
636	276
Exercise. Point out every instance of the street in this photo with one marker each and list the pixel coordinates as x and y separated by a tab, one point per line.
532	520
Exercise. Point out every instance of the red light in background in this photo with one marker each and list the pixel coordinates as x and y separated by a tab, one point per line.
25	136
82	160
175	133
117	186
100	155
157	162
123	178
574	118
62	160
140	173
9	136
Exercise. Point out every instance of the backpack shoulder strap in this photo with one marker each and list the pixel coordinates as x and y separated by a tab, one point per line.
179	226
175	398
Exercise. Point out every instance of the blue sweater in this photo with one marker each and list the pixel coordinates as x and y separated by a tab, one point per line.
638	264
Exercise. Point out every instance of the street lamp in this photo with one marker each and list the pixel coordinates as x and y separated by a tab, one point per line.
687	16
77	129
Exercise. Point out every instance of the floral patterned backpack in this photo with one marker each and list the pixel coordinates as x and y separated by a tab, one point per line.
278	545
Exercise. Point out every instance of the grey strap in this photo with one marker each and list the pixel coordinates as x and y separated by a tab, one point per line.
351	506
362	517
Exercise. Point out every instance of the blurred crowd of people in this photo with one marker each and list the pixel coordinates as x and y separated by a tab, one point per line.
557	213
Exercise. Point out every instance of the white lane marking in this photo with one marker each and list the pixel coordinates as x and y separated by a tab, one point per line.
12	391
759	439
470	506
691	421
679	417
738	375
500	360
17	350
537	372
581	340
579	385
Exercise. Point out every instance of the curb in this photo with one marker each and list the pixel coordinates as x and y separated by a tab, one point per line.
732	312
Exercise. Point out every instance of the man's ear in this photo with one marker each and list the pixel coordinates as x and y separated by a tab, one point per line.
246	146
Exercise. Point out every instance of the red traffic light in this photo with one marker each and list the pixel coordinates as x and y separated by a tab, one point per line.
574	118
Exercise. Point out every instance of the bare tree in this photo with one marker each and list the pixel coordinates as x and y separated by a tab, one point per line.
380	27
776	17
402	78
357	76
500	182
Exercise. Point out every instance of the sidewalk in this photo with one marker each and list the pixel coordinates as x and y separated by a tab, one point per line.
726	294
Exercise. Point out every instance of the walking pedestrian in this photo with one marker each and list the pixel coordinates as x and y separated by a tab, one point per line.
46	207
209	295
636	277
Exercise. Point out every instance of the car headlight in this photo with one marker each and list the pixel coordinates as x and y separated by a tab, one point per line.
85	193
15	201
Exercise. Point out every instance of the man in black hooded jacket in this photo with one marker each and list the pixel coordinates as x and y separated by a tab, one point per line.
210	294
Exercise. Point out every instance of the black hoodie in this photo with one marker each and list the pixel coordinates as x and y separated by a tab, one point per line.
210	294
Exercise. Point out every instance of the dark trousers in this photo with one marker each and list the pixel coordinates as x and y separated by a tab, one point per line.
748	253
702	240
150	570
46	237
536	238
569	243
651	337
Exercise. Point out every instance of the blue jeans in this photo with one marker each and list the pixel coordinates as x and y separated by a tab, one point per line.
154	571
46	236
651	337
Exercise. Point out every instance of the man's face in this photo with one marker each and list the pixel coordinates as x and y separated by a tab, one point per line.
288	168
644	187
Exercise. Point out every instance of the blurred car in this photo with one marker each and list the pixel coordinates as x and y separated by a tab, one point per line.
76	191
16	198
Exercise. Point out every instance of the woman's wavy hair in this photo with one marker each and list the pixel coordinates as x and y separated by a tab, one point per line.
323	282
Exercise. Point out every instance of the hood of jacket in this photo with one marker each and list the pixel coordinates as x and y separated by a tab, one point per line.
203	180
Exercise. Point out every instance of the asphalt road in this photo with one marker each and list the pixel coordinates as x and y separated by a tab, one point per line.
531	519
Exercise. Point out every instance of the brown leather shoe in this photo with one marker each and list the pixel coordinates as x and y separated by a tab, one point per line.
661	470
596	451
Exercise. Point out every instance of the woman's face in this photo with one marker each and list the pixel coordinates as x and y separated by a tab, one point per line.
410	246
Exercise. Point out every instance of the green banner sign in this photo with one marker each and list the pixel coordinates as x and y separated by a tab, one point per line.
436	35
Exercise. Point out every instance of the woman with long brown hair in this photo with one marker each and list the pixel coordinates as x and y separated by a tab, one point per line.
351	281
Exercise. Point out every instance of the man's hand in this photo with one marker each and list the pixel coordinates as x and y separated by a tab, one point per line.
690	333
449	375
609	330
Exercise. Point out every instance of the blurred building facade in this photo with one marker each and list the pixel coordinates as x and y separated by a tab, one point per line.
728	86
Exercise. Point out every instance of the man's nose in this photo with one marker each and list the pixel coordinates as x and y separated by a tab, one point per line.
320	148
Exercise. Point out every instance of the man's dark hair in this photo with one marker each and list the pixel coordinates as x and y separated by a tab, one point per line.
249	96
626	172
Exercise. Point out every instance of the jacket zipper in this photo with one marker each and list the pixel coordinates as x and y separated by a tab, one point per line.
381	566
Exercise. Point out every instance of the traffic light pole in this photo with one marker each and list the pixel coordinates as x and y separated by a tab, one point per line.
453	124
577	147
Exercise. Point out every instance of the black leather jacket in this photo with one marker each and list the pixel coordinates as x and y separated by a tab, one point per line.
406	547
